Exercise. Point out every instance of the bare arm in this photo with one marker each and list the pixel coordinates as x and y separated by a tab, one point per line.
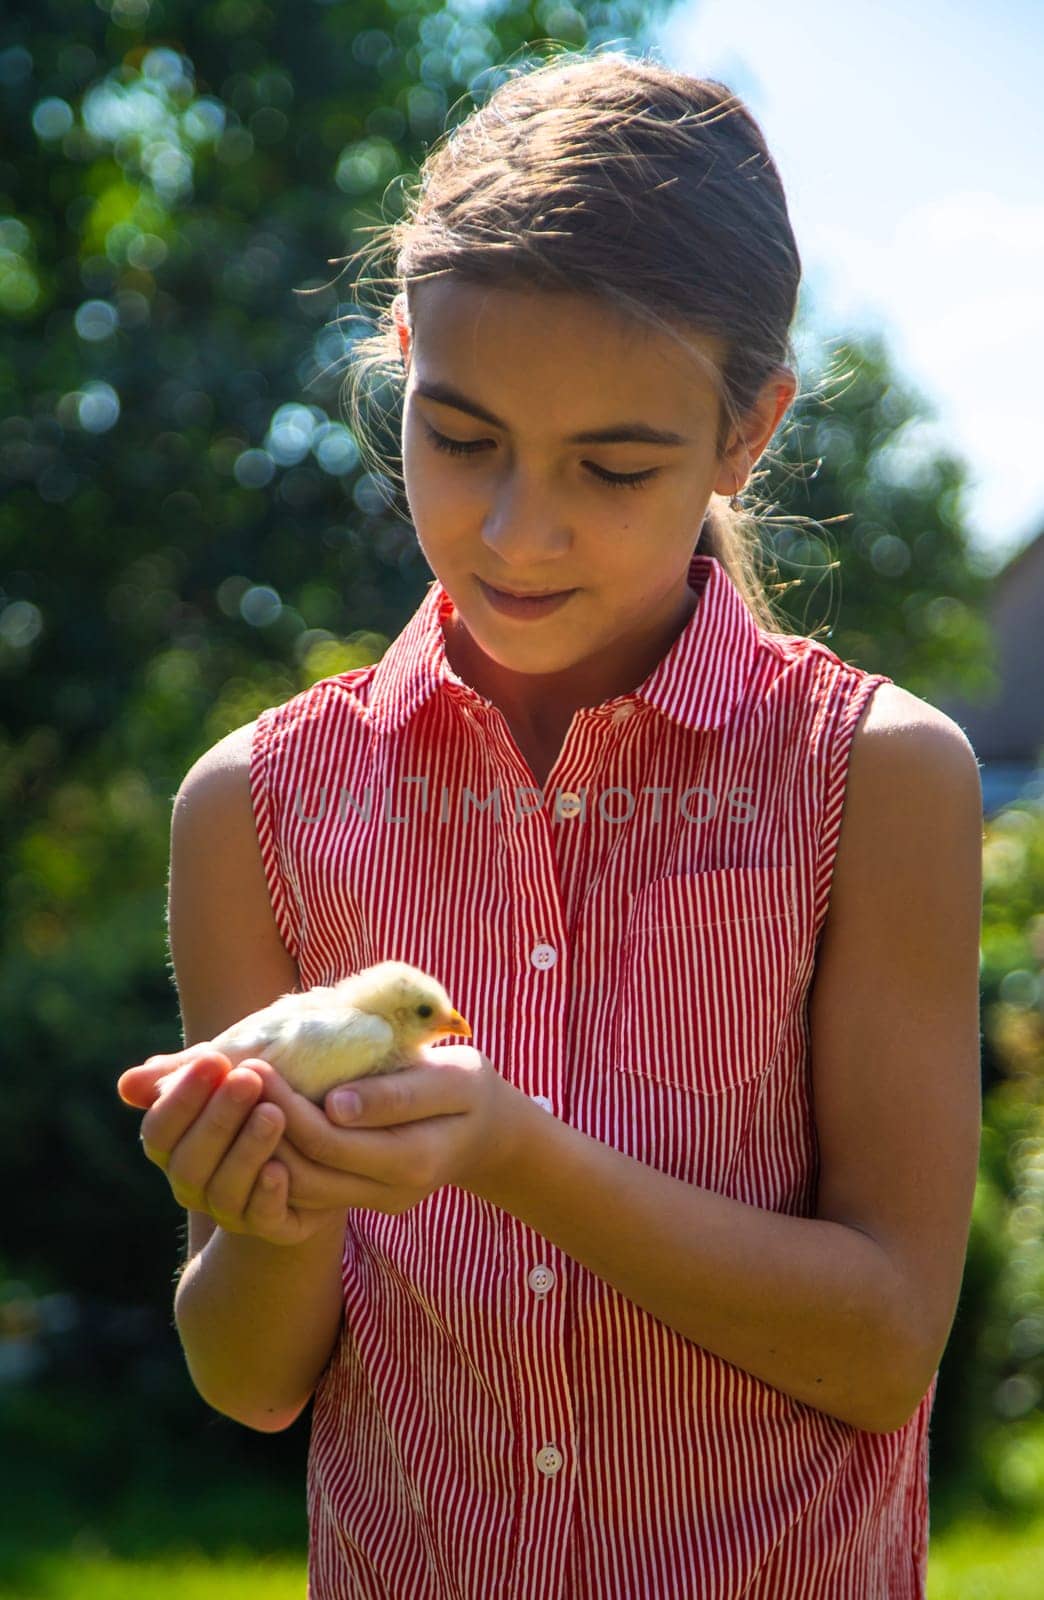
848	1311
257	1320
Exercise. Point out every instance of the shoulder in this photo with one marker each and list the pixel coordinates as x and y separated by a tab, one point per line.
913	794
329	711
220	778
213	833
223	772
907	751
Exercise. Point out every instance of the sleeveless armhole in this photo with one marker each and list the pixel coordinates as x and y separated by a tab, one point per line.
844	701
264	790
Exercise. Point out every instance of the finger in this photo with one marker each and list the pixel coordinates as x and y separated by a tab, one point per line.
307	1126
314	1187
267	1211
205	1142
388	1099
305	1123
366	1163
141	1085
348	1182
234	1178
174	1112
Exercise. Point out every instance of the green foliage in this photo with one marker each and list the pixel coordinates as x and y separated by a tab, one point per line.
892	576
988	1412
187	533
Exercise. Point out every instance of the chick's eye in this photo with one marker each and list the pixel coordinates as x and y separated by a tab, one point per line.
424	1011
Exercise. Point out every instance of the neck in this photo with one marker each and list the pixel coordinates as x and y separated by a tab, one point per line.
541	705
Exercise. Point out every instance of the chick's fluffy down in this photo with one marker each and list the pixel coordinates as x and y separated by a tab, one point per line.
373	1022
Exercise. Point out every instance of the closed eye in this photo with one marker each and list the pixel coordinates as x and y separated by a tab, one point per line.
612	480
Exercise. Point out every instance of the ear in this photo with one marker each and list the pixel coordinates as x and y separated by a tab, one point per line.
741	456
401	313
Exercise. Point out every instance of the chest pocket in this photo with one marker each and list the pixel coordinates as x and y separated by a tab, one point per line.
706	969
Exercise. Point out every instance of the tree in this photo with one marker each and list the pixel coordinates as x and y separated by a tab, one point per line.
893	575
187	532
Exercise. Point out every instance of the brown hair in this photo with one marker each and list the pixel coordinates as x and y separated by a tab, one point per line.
616	176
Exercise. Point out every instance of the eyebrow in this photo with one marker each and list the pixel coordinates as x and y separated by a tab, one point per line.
618	433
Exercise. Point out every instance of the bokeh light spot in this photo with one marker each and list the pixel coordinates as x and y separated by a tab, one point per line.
260	606
52	118
253	469
99	407
96	320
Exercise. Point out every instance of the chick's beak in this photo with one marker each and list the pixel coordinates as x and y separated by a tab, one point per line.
455	1023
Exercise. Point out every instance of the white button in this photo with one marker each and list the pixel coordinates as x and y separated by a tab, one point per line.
569	804
622	713
542	1100
541	1280
543	956
548	1460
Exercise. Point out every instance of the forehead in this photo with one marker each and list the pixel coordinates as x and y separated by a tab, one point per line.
522	336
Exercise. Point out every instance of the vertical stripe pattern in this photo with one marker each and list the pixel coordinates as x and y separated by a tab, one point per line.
633	946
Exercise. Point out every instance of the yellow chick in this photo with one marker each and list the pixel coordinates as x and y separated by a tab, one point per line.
370	1023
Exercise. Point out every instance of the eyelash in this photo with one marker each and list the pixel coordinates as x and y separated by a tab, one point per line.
612	480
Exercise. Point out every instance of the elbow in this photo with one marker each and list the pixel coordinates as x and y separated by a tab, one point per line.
253	1400
912	1404
904	1352
891	1423
895	1408
248	1413
272	1420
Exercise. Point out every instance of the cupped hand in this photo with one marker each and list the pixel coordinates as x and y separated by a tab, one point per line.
450	1119
212	1131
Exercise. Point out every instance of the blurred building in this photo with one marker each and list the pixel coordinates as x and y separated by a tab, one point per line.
1007	731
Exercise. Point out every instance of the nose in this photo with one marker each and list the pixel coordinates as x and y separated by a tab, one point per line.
524	525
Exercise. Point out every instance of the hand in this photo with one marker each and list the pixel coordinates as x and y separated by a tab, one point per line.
451	1119
207	1132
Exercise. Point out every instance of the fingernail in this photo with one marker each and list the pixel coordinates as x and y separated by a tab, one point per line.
345	1104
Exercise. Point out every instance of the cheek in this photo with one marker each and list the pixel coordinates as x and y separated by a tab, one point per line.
434	483
413	463
427	492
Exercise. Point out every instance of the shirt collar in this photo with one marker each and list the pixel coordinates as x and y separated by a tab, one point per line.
697	683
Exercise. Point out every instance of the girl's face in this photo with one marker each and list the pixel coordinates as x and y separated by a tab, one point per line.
505	490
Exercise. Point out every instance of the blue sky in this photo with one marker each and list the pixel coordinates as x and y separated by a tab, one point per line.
909	138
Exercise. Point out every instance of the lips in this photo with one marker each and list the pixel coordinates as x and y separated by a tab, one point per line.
527	594
528	607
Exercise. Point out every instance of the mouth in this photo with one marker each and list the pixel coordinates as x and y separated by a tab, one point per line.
513	604
527	594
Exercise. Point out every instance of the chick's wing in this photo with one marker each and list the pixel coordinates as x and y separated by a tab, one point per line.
311	1049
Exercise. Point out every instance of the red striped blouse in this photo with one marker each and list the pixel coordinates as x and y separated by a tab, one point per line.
633	947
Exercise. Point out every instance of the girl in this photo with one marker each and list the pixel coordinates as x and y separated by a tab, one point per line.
645	1293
